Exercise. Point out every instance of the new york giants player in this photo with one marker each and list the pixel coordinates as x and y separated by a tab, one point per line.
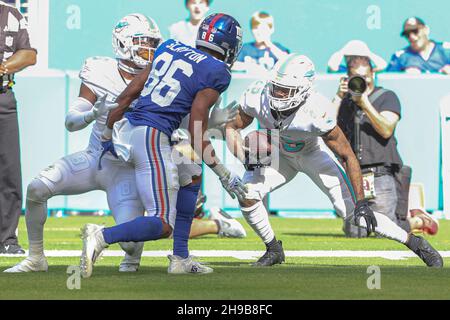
135	39
182	80
303	126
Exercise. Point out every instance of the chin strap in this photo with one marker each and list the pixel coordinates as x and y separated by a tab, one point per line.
128	69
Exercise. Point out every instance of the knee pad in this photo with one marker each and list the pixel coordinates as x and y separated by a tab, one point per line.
37	191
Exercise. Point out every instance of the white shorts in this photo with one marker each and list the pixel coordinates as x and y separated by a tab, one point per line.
150	153
78	173
319	164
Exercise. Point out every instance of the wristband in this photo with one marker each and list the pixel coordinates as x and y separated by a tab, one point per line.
89	116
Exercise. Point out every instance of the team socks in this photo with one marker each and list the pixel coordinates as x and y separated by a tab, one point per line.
139	229
186	201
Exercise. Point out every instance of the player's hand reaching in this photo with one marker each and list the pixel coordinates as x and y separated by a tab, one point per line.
234	186
219	117
103	107
362	210
107	145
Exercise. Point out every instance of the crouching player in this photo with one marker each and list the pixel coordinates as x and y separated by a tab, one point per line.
308	140
135	37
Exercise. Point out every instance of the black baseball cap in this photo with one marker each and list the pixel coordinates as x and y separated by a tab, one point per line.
413	23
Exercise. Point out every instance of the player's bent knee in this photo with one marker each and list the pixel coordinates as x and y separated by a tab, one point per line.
38	191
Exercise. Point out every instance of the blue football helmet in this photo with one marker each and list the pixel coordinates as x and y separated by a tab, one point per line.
221	33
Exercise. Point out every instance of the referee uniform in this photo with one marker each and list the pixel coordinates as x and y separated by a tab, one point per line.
13	37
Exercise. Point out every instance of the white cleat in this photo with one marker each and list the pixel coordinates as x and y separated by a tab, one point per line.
30	265
179	265
93	245
228	227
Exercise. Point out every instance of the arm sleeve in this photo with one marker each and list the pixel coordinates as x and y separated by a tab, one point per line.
390	102
80	115
394	65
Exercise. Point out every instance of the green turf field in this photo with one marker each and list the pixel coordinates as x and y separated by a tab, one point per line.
298	278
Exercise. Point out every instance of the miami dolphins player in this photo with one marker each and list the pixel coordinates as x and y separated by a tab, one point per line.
134	41
303	128
181	80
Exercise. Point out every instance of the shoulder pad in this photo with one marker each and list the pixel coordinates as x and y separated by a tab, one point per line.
93	65
251	99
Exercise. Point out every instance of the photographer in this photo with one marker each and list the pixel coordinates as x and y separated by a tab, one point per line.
368	115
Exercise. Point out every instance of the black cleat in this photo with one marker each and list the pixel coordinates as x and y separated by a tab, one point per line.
425	251
271	257
13	249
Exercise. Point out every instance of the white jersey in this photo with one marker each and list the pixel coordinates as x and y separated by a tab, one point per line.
101	75
299	132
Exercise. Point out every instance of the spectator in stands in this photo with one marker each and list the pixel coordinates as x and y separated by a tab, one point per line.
262	54
422	54
368	120
337	62
185	31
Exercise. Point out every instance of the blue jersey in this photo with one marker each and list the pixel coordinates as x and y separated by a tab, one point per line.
263	57
406	58
178	73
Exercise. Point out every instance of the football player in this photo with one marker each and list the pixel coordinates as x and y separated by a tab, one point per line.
135	39
181	80
303	129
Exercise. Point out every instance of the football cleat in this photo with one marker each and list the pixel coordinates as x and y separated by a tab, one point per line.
128	267
228	227
430	224
93	245
30	265
425	251
179	265
271	257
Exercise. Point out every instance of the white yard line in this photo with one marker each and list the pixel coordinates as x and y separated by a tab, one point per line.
251	255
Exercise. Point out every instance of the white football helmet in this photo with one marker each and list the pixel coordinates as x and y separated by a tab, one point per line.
290	82
135	38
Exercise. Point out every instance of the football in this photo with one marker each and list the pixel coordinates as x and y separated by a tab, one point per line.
257	147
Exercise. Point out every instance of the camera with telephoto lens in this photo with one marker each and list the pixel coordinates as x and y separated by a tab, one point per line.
357	85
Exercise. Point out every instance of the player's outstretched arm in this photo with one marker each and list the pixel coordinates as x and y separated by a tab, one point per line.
198	124
233	135
80	113
338	143
131	93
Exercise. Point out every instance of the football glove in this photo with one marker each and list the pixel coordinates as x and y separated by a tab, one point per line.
107	145
103	107
219	117
234	186
362	210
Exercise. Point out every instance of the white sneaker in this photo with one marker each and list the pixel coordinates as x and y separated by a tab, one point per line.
93	245
179	265
228	227
30	265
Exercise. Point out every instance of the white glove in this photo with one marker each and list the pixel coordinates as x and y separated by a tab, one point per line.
219	117
103	107
231	182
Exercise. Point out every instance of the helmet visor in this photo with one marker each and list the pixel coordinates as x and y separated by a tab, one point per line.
144	48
